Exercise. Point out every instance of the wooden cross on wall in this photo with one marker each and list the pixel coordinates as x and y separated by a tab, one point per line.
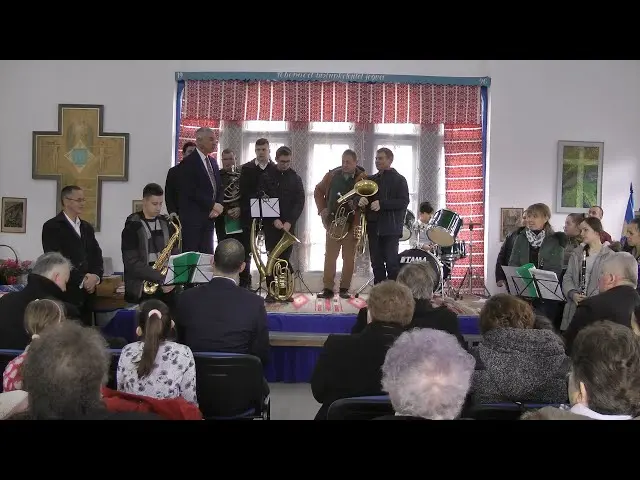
81	153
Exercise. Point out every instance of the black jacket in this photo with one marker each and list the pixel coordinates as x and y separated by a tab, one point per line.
171	189
135	253
13	334
505	254
251	187
393	195
84	252
288	188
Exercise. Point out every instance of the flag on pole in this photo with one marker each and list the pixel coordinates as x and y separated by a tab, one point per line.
628	215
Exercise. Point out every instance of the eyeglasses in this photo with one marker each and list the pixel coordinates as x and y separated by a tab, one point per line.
79	200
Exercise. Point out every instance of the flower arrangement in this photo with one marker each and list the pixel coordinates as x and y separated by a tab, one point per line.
12	270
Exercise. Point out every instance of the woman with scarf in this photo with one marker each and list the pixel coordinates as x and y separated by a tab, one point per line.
540	245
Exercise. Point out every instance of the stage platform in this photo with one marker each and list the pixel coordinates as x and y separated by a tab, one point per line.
298	329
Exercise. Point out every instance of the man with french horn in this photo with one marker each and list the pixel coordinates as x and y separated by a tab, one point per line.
340	221
228	225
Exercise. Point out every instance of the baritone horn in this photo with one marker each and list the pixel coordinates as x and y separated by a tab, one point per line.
339	227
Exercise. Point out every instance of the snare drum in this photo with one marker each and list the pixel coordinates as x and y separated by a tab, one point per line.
443	227
455	252
417	255
407	227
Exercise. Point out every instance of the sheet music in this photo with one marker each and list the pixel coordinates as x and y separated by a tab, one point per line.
189	267
517	284
548	284
265	207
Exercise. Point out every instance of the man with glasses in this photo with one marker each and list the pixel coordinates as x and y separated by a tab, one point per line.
75	239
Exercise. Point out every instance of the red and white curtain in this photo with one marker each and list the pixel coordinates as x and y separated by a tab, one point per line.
458	107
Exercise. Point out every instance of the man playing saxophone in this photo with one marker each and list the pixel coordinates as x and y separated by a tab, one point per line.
146	235
340	221
285	184
228	225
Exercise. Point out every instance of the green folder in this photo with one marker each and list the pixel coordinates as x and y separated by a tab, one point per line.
182	267
232	225
524	272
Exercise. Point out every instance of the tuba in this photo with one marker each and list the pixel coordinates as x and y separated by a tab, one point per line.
339	227
232	190
162	262
281	287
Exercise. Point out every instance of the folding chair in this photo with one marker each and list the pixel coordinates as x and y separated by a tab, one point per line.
503	411
360	408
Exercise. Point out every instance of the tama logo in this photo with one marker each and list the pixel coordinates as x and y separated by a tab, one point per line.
413	259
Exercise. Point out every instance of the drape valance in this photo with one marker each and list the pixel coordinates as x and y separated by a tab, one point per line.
292	101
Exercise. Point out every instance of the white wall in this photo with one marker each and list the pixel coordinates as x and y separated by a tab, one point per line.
533	104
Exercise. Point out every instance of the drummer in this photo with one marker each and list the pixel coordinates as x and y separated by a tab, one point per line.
422	240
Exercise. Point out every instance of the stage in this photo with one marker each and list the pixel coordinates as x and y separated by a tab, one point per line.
298	329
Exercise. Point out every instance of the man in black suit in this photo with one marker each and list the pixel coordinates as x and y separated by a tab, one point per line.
616	301
48	279
220	316
200	194
171	184
385	217
75	239
251	183
350	365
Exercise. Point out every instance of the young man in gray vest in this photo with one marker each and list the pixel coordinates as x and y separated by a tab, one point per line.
335	183
144	237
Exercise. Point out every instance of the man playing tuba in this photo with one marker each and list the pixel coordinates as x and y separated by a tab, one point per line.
146	237
228	225
340	222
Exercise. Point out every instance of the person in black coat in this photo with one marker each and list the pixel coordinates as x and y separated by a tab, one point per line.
48	279
505	254
171	184
75	239
350	365
617	300
200	194
385	216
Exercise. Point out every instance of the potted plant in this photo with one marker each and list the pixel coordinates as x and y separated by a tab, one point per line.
14	272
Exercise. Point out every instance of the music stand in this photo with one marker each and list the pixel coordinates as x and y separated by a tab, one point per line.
263	207
188	273
548	287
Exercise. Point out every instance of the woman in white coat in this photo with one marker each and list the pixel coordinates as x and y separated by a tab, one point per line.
584	269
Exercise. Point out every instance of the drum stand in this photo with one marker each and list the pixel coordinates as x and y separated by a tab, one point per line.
366	284
469	272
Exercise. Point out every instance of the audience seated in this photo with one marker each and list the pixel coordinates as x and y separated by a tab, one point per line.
350	365
39	315
64	372
48	279
617	298
604	383
220	316
156	367
419	278
427	375
515	361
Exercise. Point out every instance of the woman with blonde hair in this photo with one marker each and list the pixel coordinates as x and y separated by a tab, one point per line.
39	315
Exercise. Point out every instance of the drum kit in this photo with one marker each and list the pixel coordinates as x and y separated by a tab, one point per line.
442	230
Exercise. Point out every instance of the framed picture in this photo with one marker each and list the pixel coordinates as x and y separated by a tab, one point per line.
579	176
136	206
14	215
510	219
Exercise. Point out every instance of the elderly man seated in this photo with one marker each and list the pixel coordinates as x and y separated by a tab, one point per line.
604	383
48	279
349	365
427	375
616	300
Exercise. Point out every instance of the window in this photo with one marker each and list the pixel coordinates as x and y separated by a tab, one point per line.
274	144
324	156
265	126
397	129
331	127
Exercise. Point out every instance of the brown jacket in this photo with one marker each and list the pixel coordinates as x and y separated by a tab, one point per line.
322	189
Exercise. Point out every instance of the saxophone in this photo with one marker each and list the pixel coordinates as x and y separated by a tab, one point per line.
162	262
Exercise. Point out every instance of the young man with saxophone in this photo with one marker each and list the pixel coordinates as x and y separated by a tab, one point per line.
285	184
339	221
147	236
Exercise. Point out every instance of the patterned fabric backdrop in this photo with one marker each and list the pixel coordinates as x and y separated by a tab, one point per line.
446	118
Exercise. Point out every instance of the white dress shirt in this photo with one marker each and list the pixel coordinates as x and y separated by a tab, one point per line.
75	224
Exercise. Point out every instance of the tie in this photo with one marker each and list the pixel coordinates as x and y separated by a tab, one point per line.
212	177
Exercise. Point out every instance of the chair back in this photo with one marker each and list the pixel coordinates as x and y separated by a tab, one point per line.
230	386
360	408
113	368
502	411
6	356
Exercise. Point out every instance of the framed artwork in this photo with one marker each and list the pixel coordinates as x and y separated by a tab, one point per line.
14	215
579	176
510	219
136	206
80	152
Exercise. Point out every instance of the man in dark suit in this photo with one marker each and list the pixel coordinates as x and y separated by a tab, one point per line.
48	279
220	316
350	365
200	194
385	216
616	301
75	239
171	184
